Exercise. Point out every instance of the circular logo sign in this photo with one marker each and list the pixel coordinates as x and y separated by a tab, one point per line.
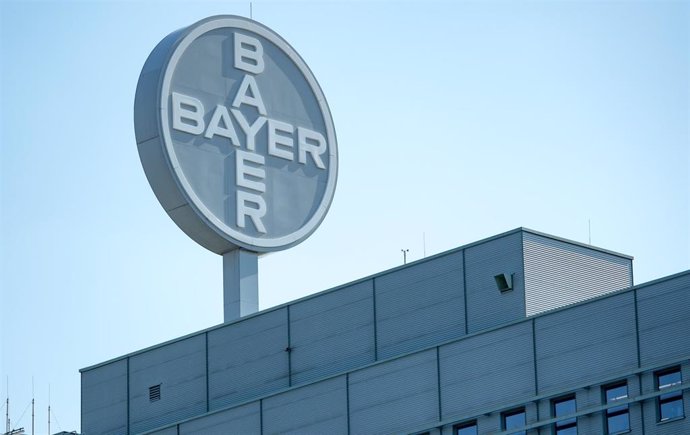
235	136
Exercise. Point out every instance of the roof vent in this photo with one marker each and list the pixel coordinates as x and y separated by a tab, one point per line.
155	393
504	281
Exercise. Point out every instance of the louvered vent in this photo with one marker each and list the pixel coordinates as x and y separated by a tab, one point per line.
155	393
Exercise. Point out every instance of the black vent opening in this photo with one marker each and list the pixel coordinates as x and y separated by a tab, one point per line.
155	393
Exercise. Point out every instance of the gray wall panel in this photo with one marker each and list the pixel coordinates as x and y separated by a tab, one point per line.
559	273
167	431
248	358
664	311
397	394
487	370
319	408
420	305
104	399
180	369
586	342
486	305
332	332
245	419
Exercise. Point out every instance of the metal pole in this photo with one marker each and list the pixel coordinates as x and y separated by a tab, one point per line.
240	284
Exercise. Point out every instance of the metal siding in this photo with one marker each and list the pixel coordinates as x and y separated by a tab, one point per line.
487	370
245	419
167	431
319	408
104	399
248	359
664	320
585	343
394	395
180	368
559	273
486	305
332	332
420	305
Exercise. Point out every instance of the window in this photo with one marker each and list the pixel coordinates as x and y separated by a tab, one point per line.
467	428
561	407
155	393
617	418
670	405
514	419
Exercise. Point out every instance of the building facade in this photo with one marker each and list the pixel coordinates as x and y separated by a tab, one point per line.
518	333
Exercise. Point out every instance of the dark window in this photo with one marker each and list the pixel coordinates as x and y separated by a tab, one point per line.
670	404
617	418
561	407
155	393
514	419
467	428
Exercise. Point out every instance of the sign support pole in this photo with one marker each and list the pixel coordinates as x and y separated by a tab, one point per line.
240	284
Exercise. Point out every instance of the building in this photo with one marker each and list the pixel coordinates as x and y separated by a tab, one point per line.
518	333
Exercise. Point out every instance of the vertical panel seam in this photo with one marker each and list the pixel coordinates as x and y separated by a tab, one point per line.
637	332
639	382
289	348
347	401
208	404
261	416
464	291
376	341
534	357
438	382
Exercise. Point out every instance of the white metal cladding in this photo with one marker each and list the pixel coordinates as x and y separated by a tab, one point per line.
104	399
586	342
390	397
664	310
332	333
558	273
420	305
245	419
318	408
248	358
486	305
179	368
491	369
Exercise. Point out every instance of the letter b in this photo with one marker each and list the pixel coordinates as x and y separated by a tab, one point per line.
249	54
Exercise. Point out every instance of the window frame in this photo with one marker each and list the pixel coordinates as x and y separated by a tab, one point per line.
615	411
465	425
510	413
676	396
566	424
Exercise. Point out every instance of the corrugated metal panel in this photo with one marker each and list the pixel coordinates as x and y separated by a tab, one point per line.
319	408
559	273
332	332
586	342
245	419
104	399
664	311
167	431
420	305
486	305
248	358
487	370
180	369
392	396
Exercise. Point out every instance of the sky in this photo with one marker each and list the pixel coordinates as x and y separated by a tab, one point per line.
456	121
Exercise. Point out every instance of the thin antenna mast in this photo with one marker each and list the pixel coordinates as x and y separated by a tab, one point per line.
250	11
404	251
32	405
7	408
48	409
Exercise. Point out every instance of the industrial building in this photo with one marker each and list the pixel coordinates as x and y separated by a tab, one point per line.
522	332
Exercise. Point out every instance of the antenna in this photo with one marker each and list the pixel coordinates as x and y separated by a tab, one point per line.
250	11
48	409
32	405
7	408
404	251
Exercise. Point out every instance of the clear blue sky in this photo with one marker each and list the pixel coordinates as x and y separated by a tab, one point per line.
457	120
